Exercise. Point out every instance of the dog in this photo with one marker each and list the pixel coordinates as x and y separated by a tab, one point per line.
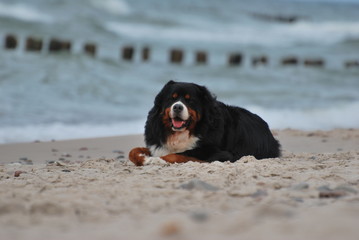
188	123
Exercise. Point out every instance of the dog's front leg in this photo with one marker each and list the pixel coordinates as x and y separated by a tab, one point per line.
138	155
178	158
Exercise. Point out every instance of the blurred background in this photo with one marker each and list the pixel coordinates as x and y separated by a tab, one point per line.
45	96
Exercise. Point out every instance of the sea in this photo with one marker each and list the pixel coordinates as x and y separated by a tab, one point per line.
69	95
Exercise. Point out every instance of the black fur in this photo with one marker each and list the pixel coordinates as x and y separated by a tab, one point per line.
225	132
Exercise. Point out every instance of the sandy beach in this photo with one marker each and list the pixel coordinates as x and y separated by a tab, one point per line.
87	189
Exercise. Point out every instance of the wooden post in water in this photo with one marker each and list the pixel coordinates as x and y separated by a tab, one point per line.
57	45
201	57
351	64
33	44
260	60
314	62
176	56
235	59
127	53
90	49
145	54
10	41
289	61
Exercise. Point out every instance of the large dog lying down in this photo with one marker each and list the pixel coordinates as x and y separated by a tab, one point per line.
187	123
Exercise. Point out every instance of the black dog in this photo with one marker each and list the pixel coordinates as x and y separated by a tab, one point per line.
187	123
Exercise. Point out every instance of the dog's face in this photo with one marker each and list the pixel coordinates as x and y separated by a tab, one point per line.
181	105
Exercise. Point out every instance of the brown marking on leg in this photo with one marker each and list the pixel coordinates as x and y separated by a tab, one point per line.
137	155
176	158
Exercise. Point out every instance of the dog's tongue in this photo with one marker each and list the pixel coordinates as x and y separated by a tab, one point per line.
177	123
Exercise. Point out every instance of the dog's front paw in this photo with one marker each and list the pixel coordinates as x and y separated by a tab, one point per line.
138	155
154	161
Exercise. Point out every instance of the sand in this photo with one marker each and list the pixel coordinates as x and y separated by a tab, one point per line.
87	189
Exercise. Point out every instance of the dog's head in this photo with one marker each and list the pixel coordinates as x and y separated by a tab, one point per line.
181	105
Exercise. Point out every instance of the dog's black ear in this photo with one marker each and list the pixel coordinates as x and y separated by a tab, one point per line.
154	132
170	82
211	111
160	95
207	96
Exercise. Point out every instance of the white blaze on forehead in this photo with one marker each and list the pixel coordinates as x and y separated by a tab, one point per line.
184	115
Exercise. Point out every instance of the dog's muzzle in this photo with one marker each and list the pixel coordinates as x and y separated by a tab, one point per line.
179	116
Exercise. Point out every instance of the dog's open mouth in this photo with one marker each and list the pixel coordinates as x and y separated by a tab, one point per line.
179	124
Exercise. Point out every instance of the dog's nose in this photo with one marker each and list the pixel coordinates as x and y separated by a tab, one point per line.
177	108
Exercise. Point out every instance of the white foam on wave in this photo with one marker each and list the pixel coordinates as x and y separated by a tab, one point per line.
23	12
242	35
112	6
321	32
276	34
61	131
340	116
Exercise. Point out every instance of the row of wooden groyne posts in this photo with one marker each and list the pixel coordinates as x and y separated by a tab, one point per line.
176	55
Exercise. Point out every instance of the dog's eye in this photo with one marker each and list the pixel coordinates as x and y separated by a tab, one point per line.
187	96
175	95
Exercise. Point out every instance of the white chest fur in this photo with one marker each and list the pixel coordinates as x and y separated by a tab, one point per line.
176	143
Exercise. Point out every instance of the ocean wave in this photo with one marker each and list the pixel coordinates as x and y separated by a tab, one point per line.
24	13
354	41
276	34
344	116
243	34
324	32
61	131
339	116
119	7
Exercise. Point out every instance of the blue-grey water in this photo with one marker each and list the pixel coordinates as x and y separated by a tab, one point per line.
47	96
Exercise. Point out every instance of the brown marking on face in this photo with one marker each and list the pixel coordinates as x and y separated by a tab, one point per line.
166	120
187	96
195	117
175	95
